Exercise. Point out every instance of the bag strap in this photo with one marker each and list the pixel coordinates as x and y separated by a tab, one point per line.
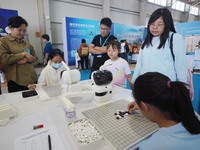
171	47
172	52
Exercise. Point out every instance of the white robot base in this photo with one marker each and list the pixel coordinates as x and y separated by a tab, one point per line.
102	93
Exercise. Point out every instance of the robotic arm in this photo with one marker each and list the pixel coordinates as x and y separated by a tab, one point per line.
70	84
101	85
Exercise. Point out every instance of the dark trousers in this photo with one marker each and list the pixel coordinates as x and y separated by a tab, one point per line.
84	61
14	87
124	56
79	63
98	62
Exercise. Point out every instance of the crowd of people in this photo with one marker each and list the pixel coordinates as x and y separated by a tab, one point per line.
158	83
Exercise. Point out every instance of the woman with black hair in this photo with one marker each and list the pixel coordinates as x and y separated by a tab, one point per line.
155	53
168	104
17	56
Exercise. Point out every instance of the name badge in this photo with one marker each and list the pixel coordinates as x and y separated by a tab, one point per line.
27	51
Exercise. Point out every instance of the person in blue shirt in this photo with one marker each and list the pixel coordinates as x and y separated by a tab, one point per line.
155	53
168	104
47	47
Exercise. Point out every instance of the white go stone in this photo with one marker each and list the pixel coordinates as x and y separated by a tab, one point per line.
84	131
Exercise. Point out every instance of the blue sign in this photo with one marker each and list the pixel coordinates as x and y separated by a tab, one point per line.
188	28
132	34
5	14
78	29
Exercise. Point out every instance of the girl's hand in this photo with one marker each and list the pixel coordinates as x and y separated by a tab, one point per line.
132	106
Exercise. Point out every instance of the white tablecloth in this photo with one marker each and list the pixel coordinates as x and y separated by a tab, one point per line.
33	111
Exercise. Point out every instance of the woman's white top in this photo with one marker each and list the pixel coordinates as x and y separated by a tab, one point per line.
50	76
152	59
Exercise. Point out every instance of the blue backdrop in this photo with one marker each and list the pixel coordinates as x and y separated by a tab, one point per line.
5	14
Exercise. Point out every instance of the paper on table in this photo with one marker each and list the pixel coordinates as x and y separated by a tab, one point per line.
38	140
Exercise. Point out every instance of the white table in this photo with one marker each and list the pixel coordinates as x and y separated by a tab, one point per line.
49	113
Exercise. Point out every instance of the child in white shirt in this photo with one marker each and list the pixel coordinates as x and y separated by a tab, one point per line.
51	74
117	65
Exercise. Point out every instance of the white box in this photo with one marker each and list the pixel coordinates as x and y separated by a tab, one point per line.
82	135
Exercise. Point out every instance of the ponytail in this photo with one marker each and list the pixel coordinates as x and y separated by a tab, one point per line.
171	98
184	107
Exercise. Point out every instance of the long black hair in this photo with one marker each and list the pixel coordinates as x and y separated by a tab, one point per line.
171	98
169	26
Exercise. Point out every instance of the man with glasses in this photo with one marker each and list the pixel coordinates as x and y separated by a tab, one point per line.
98	45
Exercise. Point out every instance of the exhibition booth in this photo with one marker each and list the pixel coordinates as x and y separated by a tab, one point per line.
86	114
74	29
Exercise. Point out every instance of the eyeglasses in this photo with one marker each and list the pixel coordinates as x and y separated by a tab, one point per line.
159	25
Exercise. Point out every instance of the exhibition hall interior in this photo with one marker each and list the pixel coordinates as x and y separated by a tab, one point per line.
99	74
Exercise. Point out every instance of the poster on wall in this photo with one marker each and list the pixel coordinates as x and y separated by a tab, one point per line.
5	14
78	29
132	34
191	42
191	32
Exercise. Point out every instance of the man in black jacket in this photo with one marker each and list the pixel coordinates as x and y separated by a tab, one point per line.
98	45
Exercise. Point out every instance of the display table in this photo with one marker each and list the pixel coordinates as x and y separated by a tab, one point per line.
33	111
